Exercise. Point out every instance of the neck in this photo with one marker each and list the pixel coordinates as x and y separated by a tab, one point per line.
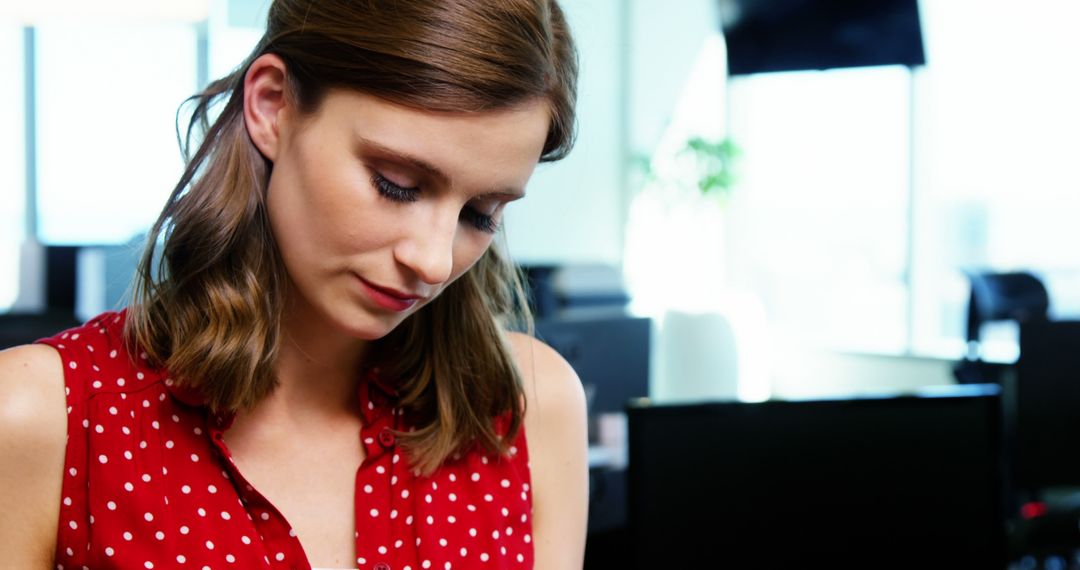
318	369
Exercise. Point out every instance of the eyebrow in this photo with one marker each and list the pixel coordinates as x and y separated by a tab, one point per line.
432	170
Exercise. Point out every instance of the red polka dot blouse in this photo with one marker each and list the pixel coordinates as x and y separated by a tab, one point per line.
149	482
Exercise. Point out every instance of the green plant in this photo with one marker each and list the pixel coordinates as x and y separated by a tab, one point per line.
714	164
708	165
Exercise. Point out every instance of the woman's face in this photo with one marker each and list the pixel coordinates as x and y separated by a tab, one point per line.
377	207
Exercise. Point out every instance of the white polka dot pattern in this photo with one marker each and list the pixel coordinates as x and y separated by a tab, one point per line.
148	470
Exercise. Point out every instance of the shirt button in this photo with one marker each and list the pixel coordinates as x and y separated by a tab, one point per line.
386	439
382	566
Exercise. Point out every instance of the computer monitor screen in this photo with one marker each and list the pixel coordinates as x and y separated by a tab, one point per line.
1047	392
913	482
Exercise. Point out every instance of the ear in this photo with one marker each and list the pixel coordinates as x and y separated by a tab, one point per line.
265	103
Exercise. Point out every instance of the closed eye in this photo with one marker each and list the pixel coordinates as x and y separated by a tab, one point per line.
478	220
470	214
393	191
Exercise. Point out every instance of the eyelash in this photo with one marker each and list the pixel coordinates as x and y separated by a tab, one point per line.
396	193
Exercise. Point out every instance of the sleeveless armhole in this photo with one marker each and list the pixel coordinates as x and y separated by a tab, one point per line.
77	348
518	451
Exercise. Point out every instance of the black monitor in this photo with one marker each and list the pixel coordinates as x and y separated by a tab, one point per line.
1047	396
791	35
899	482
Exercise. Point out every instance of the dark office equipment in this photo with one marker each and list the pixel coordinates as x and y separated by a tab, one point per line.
61	268
1015	296
1018	296
1049	537
543	300
1047	393
61	274
556	290
791	35
609	353
611	356
906	482
24	328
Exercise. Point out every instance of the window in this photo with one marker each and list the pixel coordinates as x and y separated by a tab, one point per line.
102	119
12	160
863	194
825	234
107	97
997	133
819	217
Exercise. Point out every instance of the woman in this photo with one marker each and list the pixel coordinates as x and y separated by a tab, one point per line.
318	375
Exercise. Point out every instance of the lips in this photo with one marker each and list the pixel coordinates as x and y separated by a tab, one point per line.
387	297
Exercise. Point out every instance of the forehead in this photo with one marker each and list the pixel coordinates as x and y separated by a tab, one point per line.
499	147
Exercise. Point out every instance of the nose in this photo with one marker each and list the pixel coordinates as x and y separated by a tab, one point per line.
428	249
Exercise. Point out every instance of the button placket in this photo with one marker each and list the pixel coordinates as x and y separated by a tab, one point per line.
387	439
282	546
374	502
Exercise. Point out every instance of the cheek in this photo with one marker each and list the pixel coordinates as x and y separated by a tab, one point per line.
468	250
281	205
321	209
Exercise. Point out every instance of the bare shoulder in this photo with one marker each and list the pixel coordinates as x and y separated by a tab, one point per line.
32	398
555	425
33	434
549	380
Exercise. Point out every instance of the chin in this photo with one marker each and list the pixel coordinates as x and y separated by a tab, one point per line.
368	327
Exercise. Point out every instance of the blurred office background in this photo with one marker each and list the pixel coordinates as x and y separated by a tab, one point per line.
834	263
860	196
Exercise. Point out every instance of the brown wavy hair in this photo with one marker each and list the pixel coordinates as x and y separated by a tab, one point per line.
209	310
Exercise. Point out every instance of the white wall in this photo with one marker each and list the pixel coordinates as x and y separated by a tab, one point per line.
666	38
572	212
635	58
12	160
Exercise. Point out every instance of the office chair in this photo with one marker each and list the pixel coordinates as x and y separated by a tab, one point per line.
1014	296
